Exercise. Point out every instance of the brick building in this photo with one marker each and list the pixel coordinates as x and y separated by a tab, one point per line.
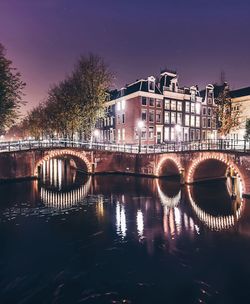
167	112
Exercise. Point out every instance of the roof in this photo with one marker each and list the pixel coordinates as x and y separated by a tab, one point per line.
140	85
240	92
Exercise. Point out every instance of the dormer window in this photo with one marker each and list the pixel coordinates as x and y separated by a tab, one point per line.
151	84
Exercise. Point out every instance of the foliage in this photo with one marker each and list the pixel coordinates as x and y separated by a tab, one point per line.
74	104
227	118
11	91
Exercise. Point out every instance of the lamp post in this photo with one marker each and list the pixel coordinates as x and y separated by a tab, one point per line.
140	126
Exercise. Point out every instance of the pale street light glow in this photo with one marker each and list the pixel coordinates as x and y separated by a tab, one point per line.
140	124
96	133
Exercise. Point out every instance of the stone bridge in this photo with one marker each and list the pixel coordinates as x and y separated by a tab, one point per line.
191	166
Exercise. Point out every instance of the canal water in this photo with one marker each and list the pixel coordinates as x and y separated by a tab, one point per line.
70	238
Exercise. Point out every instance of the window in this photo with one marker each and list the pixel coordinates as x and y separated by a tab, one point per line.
209	122
123	118
192	122
192	107
167	117
197	122
166	134
204	122
197	135
151	116
150	132
203	135
187	120
209	100
144	133
173	105
123	104
197	108
119	134
158	103
158	117
192	135
209	111
172	134
179	106
123	134
118	106
204	111
167	104
187	106
144	101
179	118
144	115
173	118
151	102
151	85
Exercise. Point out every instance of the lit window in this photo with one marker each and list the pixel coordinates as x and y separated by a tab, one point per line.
198	108
192	107
179	106
167	117
179	118
166	134
173	118
123	134
192	123
167	104
123	104
186	120
151	132
118	106
197	123
173	105
187	105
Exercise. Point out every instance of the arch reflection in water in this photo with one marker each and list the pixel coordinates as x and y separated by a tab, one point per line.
175	219
61	185
229	211
62	200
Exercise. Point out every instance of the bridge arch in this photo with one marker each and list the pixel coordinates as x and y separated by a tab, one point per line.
168	166
213	166
79	158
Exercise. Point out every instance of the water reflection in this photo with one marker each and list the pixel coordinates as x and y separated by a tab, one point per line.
214	206
102	233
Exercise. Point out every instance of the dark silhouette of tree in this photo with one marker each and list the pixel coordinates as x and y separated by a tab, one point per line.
11	91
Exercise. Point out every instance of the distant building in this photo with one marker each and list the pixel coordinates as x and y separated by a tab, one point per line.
240	103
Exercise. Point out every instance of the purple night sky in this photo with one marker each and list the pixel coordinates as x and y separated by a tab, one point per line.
137	38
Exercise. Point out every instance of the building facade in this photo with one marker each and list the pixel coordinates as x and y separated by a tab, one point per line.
156	112
240	106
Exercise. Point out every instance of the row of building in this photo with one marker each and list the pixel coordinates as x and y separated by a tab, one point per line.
159	111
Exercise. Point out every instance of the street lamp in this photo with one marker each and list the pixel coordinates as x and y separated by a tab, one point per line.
140	126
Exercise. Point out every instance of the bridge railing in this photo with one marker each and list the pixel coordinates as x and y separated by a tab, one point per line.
213	145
